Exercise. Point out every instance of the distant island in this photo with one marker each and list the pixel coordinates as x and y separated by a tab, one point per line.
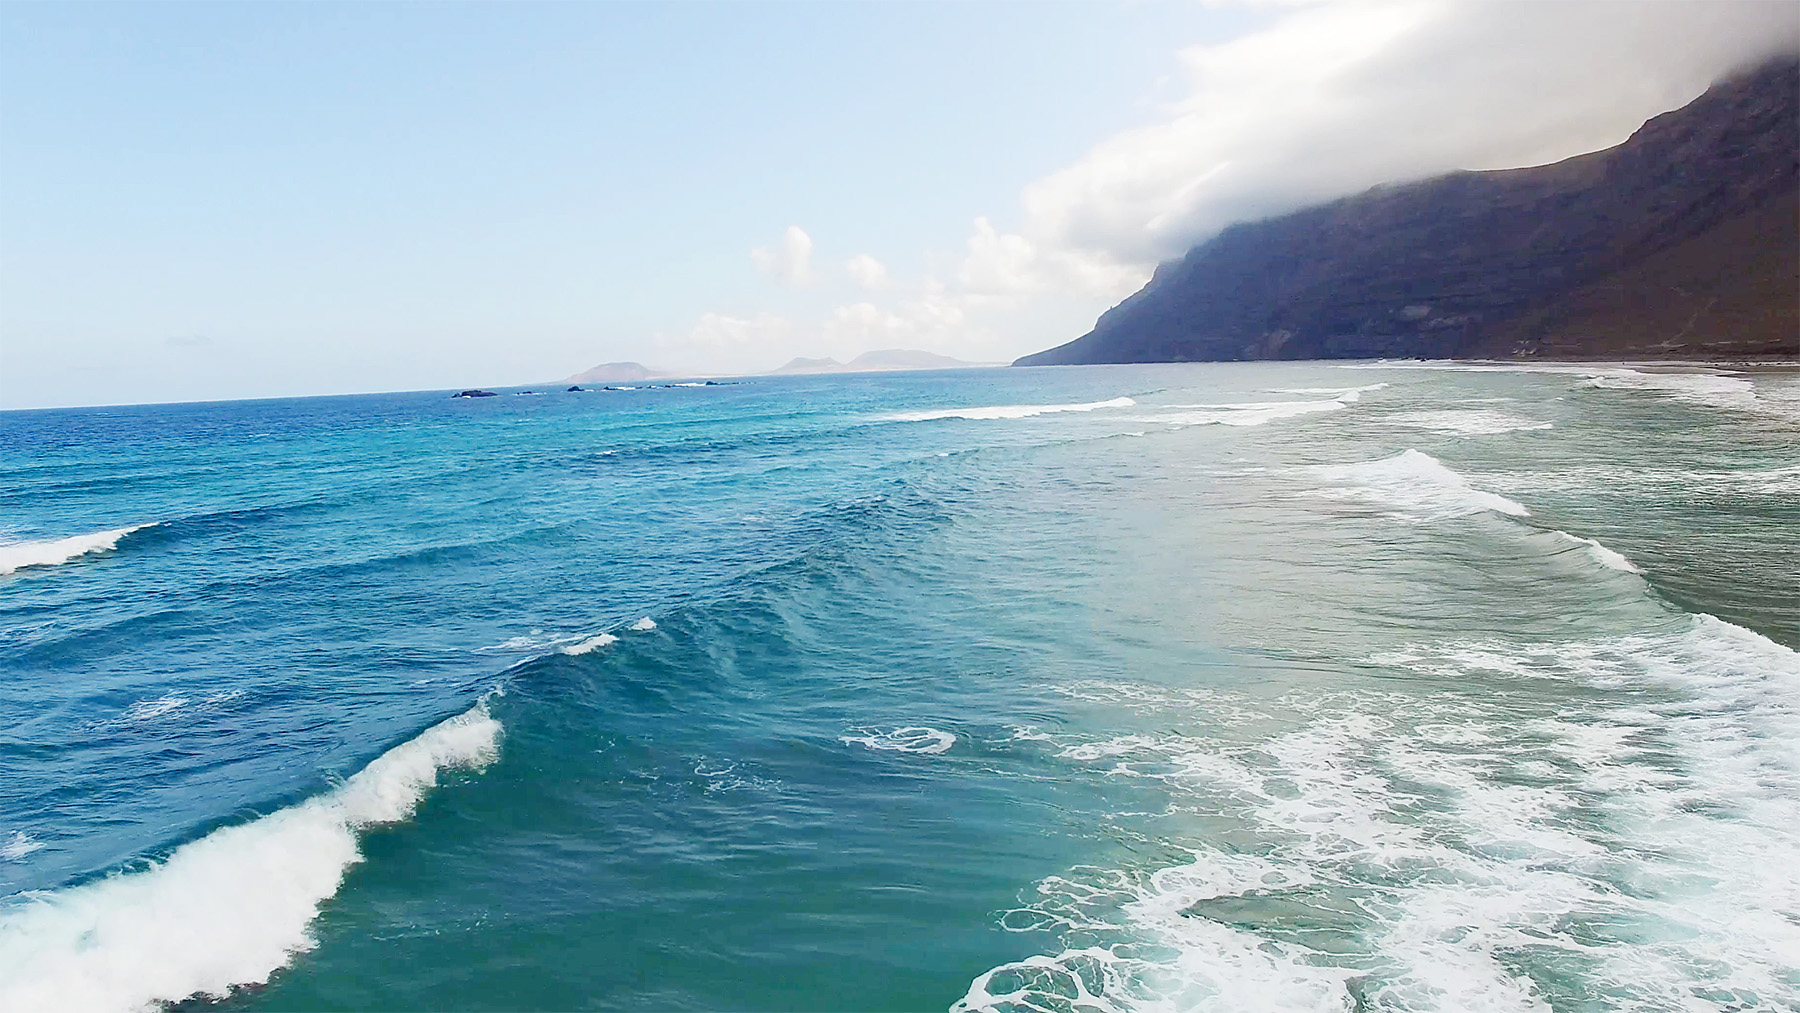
884	360
1680	242
614	372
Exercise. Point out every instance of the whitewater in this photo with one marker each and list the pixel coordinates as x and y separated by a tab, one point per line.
1423	687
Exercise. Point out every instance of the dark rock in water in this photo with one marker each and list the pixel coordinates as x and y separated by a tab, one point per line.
715	383
1680	242
476	393
575	389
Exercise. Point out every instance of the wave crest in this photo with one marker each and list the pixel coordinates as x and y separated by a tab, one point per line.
54	552
228	909
1415	486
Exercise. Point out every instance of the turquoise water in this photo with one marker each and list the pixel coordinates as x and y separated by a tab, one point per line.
1208	687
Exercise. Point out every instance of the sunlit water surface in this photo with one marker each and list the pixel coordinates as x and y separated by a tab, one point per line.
1188	687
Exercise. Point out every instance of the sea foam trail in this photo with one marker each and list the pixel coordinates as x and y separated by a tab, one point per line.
1014	411
1246	414
20	555
226	910
1412	485
912	739
1671	812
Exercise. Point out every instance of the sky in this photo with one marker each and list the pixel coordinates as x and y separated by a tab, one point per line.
216	200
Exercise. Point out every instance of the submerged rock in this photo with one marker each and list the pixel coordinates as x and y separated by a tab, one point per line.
476	393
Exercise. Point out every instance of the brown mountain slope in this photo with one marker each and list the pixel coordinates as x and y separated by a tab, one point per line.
1680	241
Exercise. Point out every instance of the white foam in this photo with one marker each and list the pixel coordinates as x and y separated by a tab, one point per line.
1746	482
911	739
526	642
226	910
1191	963
1710	844
18	846
1653	856
1016	411
19	555
1601	554
1707	389
1246	414
1414	486
644	624
590	644
149	710
1465	421
1694	383
1352	393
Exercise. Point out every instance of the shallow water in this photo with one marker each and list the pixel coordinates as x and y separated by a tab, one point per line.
1216	687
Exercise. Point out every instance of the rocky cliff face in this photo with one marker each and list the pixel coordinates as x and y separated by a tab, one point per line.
1682	241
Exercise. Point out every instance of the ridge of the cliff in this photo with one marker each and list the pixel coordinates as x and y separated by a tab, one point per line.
1680	241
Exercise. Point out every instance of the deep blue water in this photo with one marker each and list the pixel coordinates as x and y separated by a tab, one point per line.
1285	686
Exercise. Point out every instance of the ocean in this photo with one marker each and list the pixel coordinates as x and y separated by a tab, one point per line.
1236	687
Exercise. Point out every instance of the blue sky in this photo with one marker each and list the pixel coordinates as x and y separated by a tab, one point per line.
238	200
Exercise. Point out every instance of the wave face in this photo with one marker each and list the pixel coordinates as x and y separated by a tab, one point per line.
20	555
1413	485
228	909
1453	690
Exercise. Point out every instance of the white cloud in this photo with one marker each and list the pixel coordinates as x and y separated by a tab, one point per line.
867	272
792	262
930	322
724	343
1007	267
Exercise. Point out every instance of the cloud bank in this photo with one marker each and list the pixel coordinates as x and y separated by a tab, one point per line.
1332	100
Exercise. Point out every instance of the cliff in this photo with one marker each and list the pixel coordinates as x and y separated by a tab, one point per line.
1682	241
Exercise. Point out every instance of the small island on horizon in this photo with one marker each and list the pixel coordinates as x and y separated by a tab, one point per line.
886	360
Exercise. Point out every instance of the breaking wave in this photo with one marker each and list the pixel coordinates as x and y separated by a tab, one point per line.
1251	414
1601	554
226	910
1465	421
19	555
1016	411
590	644
1414	486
